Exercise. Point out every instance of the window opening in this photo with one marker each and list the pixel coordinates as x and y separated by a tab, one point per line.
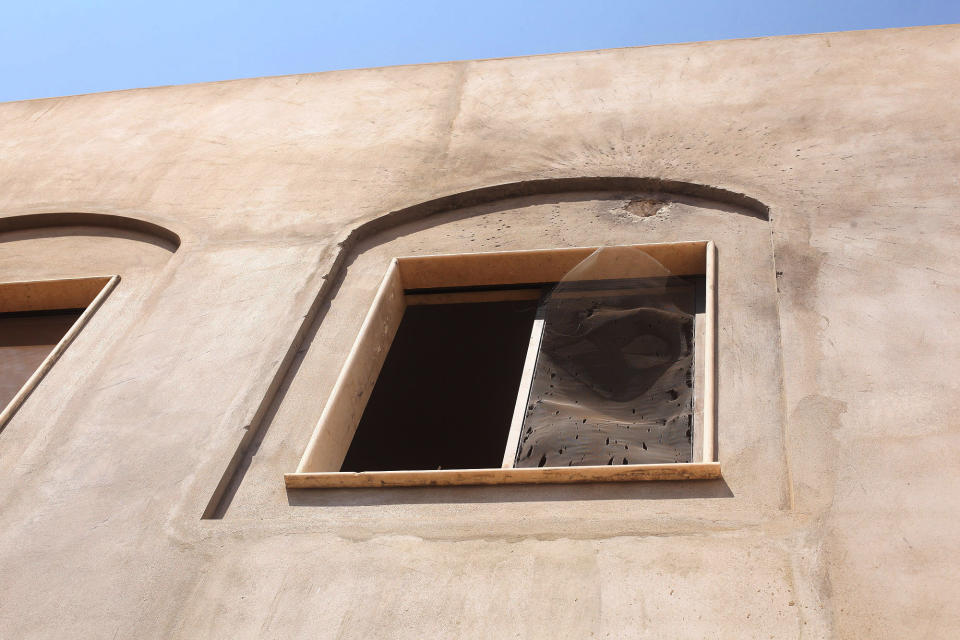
561	365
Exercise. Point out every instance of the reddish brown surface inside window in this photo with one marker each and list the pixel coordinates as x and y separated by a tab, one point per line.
25	340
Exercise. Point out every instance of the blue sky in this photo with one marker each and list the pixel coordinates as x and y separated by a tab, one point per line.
51	48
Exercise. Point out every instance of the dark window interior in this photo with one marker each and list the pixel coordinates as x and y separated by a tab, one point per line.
26	338
445	396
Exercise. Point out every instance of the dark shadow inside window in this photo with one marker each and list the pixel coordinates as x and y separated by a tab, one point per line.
446	393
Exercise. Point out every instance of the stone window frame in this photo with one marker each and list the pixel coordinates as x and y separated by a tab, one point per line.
331	438
87	293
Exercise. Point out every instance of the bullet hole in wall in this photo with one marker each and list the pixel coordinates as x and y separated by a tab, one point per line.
644	207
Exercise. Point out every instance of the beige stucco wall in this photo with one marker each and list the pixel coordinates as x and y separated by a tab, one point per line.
836	426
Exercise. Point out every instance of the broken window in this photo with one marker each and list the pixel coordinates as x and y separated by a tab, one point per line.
490	363
613	379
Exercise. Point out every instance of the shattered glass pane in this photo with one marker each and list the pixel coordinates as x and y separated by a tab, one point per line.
613	381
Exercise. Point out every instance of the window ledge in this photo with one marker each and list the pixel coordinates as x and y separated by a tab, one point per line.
539	475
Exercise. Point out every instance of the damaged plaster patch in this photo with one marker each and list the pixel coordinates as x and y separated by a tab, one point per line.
645	207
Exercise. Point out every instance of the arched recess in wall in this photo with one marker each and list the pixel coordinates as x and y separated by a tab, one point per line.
146	230
57	270
538	214
652	189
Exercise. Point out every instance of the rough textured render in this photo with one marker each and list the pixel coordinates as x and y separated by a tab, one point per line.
141	482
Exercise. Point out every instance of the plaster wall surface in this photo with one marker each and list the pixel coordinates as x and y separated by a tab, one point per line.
141	490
